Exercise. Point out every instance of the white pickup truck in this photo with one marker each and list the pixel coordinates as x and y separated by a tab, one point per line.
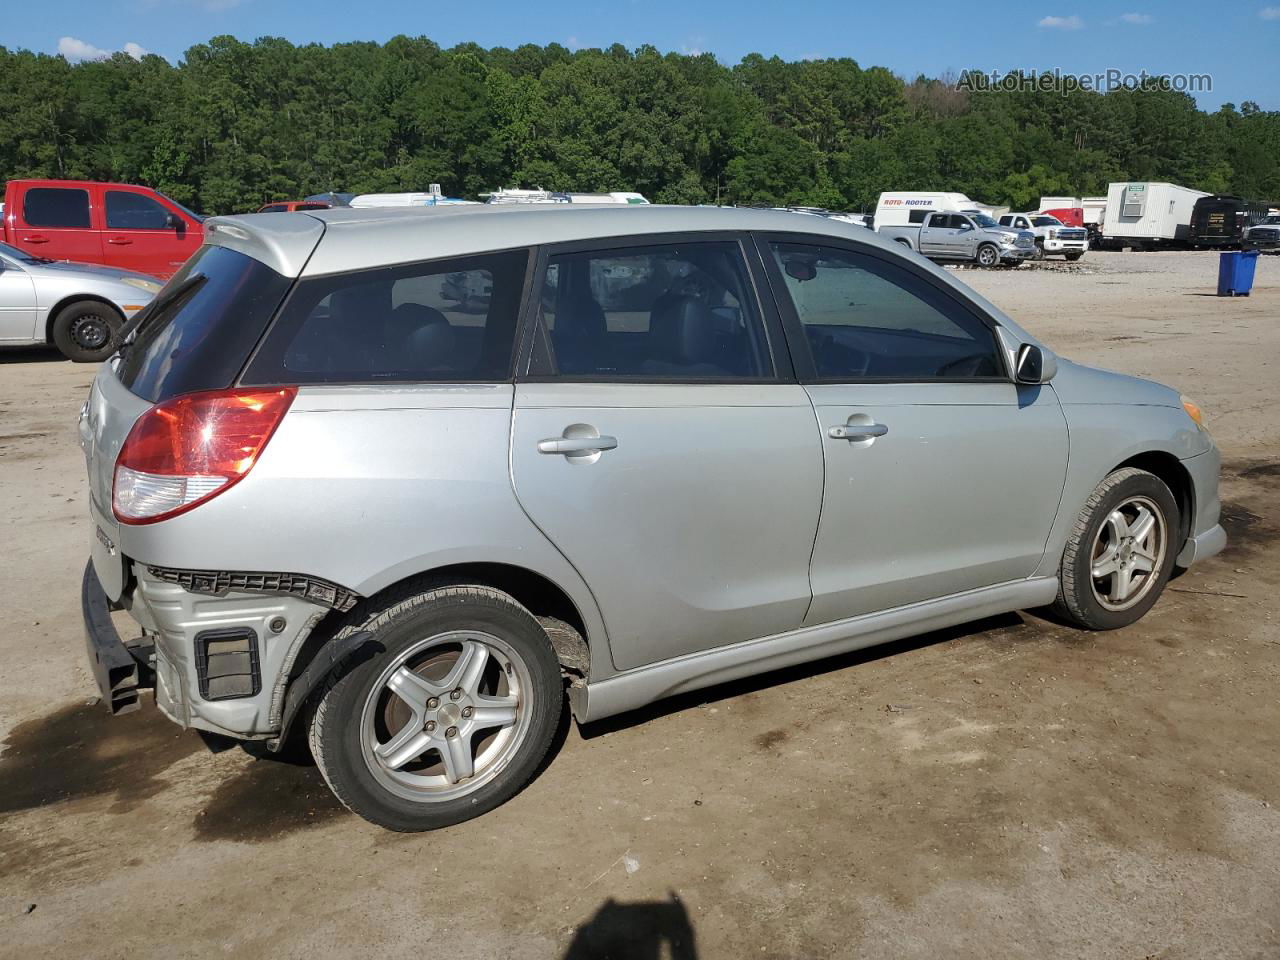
1053	237
972	237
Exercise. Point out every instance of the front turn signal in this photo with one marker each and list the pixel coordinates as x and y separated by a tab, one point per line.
1194	413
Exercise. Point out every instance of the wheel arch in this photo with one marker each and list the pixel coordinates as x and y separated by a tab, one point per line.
1175	476
549	603
54	311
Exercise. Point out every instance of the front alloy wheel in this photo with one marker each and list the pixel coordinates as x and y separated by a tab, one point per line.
1120	553
988	256
1128	551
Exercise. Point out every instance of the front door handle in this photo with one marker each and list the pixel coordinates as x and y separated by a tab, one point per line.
36	239
577	445
857	431
119	241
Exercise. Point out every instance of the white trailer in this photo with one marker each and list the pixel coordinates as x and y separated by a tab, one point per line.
1148	214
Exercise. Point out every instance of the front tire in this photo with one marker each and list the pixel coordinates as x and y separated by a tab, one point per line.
988	255
1074	255
87	331
450	719
1120	553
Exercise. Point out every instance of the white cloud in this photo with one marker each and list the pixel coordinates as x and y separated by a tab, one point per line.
1136	18
1269	13
1062	23
75	50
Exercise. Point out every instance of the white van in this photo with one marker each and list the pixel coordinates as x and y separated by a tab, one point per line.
909	207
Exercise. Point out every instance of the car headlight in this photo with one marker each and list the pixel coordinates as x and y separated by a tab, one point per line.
1194	413
148	285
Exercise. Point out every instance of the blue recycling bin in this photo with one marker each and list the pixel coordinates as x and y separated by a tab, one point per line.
1235	272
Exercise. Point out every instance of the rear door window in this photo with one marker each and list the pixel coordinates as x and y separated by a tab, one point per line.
56	207
443	320
134	211
666	312
201	328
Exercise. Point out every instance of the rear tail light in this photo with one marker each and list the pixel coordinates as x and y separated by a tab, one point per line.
189	449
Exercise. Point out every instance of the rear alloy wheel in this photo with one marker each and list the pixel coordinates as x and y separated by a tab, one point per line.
1121	551
450	720
988	255
86	331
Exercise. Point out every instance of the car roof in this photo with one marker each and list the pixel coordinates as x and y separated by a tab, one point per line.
355	238
343	239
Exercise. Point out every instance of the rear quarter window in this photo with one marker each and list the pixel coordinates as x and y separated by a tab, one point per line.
443	320
201	338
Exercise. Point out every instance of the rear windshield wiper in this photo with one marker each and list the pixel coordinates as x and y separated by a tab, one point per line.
156	307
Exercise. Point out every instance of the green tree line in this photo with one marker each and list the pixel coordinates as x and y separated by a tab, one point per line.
236	124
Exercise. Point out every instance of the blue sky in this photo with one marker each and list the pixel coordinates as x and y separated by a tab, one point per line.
1235	41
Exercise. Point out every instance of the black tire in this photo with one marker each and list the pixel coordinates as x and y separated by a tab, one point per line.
1074	255
87	331
1039	254
988	255
1078	593
397	625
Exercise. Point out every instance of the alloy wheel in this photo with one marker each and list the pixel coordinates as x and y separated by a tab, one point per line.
1128	553
446	716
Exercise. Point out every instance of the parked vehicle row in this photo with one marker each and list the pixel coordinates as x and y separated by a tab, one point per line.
668	448
930	225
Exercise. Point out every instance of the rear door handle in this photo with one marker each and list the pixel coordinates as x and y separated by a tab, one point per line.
119	241
575	445
35	239
857	431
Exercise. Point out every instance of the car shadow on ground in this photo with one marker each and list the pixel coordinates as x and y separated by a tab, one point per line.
30	355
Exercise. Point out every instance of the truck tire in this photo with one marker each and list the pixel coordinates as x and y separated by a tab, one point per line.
1074	255
452	715
988	255
1039	254
902	240
86	330
1120	552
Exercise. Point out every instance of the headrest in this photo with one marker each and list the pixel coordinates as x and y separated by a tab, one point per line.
685	330
423	333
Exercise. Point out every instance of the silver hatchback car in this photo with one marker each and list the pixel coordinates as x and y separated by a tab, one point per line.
409	481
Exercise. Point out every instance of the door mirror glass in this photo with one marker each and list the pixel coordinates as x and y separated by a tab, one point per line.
1031	365
173	221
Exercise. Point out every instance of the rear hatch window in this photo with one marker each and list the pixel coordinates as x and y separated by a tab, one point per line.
201	328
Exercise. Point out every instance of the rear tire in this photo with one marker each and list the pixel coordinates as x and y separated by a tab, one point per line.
451	718
1120	552
87	331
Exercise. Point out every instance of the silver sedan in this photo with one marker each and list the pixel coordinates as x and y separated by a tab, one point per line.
78	307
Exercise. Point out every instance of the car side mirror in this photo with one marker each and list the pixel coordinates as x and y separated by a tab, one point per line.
1035	365
173	222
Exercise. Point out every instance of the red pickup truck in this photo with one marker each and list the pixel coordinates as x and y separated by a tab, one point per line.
115	224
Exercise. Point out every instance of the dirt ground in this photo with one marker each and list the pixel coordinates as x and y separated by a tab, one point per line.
1011	789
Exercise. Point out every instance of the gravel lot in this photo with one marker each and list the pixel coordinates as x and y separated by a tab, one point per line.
1010	789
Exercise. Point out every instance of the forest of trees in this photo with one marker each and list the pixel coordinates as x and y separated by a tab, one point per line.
236	124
